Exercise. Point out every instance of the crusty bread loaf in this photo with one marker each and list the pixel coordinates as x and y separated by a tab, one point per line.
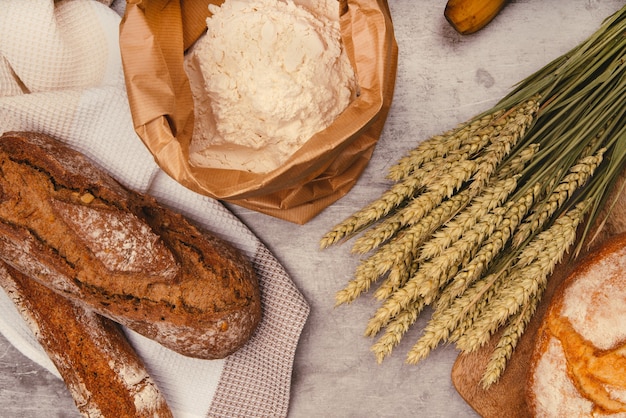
578	366
101	370
70	226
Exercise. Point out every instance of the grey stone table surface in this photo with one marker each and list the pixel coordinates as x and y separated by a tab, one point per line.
443	79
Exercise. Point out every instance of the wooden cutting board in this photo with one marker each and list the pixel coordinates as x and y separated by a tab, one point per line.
506	398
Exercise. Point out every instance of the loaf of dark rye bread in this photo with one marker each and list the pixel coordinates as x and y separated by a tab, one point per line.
102	372
70	226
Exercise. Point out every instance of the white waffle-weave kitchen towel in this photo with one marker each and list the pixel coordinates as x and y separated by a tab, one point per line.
61	74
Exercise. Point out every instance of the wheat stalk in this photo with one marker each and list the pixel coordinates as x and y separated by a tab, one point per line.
526	278
396	330
507	342
438	146
443	235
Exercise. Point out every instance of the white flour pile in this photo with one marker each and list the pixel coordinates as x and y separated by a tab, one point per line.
266	76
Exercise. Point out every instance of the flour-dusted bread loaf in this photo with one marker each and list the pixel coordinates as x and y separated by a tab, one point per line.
103	373
578	367
70	226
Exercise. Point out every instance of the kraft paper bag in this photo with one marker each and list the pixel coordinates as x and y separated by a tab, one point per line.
154	35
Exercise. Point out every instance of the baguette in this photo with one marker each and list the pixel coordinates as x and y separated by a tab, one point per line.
102	372
578	366
70	226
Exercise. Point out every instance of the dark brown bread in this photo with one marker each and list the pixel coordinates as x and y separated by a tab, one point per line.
101	370
70	226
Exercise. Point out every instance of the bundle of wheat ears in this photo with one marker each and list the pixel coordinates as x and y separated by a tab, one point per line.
477	218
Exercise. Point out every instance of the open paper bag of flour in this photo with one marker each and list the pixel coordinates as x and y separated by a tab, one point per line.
160	46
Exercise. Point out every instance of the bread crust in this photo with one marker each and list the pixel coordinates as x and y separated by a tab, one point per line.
70	226
578	365
102	372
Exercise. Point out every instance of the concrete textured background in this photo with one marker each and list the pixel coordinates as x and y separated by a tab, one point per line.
443	79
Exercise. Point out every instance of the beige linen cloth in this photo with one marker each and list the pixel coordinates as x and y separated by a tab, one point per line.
61	74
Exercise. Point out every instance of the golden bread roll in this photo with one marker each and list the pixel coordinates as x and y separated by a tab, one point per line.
578	366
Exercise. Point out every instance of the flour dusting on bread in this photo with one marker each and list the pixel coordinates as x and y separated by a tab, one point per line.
119	239
578	366
596	304
75	230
